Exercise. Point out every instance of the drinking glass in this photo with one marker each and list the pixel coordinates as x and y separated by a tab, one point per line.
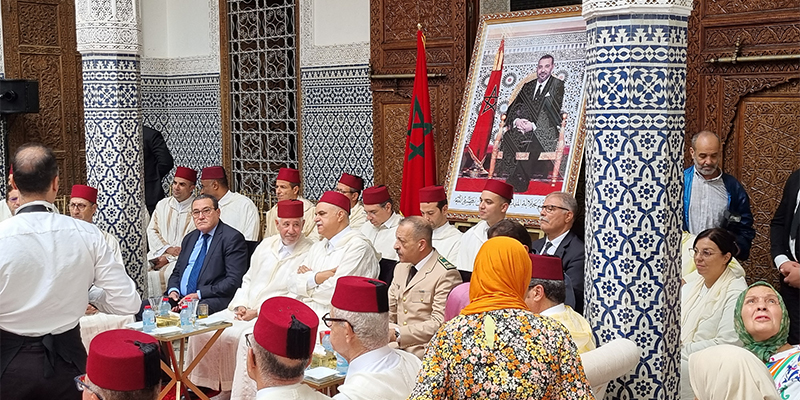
202	311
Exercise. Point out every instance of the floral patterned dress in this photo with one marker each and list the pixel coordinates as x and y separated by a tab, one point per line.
527	357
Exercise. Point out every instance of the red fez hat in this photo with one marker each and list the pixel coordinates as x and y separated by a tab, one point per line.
290	209
84	192
289	175
286	327
375	195
215	172
352	181
336	199
124	360
432	194
499	188
359	294
186	173
546	267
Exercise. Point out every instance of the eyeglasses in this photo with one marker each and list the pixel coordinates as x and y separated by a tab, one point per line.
702	254
78	206
345	191
206	212
551	208
328	320
80	383
247	339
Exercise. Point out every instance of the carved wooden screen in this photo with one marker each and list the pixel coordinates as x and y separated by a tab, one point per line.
261	98
393	28
39	44
752	105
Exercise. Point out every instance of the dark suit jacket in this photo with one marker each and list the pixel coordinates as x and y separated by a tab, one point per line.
572	255
224	266
779	231
157	164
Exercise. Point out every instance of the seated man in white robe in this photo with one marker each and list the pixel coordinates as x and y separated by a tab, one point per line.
5	205
381	229
273	263
287	187
495	199
359	322
546	295
238	211
341	252
170	223
83	206
433	207
280	350
351	186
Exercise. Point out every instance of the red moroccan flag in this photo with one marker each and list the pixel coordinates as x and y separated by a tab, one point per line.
419	163
479	142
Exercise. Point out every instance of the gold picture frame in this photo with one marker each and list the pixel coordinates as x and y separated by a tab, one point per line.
528	38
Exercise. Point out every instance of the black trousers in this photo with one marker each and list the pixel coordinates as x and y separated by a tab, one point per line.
791	297
24	375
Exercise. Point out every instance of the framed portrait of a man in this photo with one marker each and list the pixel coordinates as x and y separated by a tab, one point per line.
523	111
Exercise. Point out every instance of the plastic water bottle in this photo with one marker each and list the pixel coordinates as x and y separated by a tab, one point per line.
186	318
163	309
326	341
148	319
341	364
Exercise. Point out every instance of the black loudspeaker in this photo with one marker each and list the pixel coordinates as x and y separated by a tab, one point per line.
19	96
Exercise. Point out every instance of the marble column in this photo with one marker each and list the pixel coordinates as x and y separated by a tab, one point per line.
636	74
108	33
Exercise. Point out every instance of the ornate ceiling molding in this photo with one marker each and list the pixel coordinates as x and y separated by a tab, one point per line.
600	8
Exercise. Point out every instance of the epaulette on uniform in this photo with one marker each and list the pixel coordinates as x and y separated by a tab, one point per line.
446	264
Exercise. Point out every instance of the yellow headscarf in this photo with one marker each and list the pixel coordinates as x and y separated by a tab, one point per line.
500	278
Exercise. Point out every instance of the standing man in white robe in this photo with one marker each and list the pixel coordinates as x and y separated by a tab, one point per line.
341	252
287	187
280	350
433	207
381	229
351	186
495	199
170	222
273	263
359	322
238	211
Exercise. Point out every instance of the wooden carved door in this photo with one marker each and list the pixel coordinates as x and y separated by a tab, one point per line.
39	44
743	84
393	29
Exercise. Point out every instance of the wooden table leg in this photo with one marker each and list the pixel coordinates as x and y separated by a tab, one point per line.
167	347
194	363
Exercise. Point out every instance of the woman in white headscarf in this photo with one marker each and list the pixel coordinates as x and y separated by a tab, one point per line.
727	372
708	301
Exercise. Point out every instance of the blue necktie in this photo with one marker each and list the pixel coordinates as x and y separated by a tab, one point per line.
191	285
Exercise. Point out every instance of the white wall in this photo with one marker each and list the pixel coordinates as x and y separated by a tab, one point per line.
338	22
176	28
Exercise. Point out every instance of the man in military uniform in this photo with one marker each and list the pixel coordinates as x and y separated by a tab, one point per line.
419	290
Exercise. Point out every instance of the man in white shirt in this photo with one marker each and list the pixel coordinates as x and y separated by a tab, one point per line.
380	231
351	186
238	211
418	293
273	263
433	206
495	199
48	263
170	222
556	219
287	187
359	321
280	350
341	252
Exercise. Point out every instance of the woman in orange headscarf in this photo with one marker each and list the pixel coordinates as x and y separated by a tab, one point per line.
496	348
